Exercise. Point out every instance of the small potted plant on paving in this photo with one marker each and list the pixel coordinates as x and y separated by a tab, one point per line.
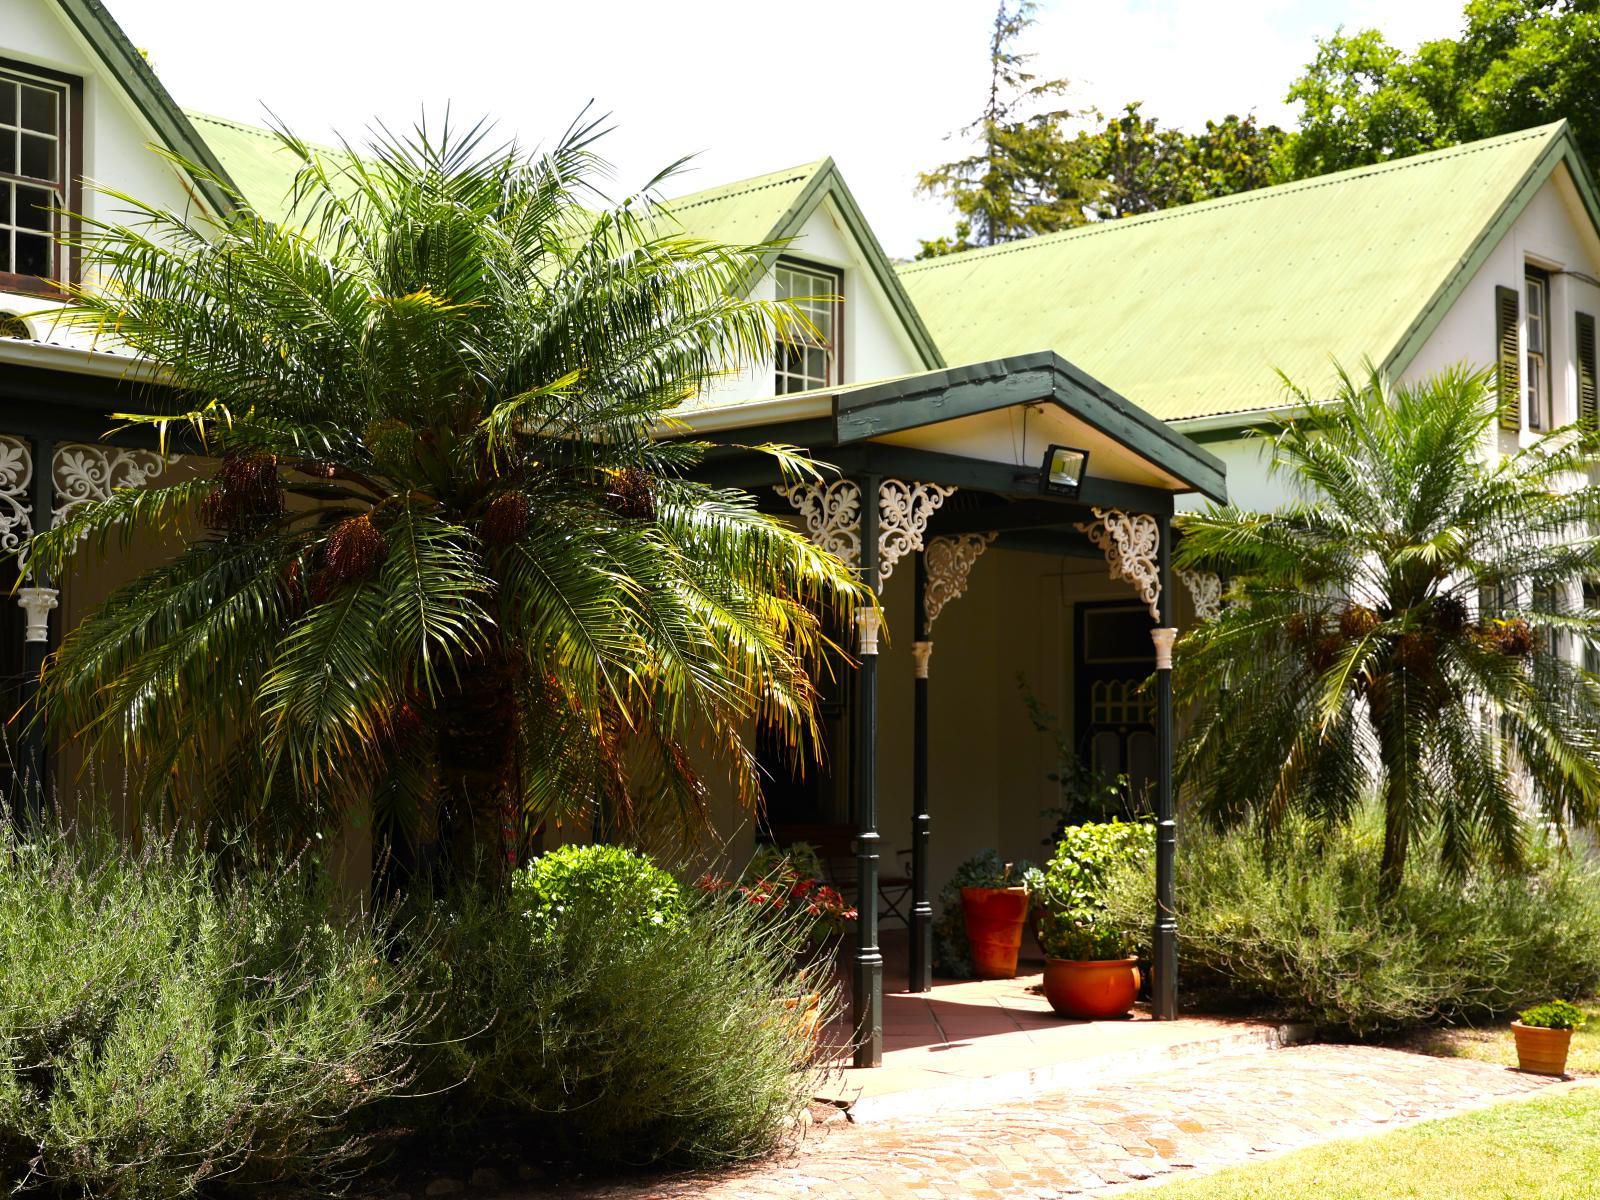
994	909
1544	1035
1090	970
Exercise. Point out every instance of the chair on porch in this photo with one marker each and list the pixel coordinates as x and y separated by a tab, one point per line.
835	847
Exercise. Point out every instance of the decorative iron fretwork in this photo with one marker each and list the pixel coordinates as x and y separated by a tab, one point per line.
948	561
904	509
1130	542
1205	589
832	513
84	474
16	483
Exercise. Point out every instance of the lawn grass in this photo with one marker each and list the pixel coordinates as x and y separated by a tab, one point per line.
1494	1044
1543	1149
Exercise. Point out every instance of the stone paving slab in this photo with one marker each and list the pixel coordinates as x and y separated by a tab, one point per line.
1107	1136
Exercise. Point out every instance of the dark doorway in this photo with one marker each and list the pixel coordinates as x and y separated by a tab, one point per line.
1114	721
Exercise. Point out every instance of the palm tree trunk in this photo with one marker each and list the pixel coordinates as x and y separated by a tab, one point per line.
477	754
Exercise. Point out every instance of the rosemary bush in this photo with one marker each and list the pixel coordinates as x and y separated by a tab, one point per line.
167	1027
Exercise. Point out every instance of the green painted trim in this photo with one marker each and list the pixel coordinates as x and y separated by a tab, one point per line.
150	97
828	183
1561	150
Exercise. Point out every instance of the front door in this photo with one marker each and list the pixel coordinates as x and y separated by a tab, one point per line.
1114	710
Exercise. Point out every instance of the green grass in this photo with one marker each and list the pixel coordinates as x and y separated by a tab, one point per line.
1544	1149
1494	1043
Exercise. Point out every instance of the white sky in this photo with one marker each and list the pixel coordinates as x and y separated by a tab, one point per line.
748	85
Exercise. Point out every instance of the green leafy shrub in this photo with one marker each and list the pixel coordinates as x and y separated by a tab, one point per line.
164	1029
952	956
1070	894
1554	1014
638	892
1306	935
667	1045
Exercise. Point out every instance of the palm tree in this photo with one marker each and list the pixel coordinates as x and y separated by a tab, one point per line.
1414	622
442	555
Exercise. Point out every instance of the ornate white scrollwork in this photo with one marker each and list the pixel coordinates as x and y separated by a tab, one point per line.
904	509
949	564
1130	542
1205	589
16	483
83	474
832	513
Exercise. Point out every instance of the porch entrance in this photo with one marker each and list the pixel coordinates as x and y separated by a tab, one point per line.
1113	660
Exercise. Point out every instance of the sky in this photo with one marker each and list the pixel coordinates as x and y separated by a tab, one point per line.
747	86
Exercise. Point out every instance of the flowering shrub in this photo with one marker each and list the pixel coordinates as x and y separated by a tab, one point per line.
773	884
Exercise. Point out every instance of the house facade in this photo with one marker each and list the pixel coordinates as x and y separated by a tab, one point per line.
1150	346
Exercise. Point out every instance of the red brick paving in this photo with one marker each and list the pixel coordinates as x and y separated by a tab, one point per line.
1198	1117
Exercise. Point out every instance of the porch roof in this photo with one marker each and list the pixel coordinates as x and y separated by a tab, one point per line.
984	425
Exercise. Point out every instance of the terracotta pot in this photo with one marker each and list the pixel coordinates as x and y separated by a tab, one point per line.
994	918
1542	1051
805	1011
1091	989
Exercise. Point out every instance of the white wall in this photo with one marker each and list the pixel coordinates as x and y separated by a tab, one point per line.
116	140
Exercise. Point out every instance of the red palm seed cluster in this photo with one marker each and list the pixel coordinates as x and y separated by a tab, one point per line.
246	493
505	520
629	494
355	549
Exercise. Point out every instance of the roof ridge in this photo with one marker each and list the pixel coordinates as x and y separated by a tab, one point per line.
744	187
195	114
1255	195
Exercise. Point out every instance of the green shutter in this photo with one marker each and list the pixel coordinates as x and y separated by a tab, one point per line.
1588	402
1508	374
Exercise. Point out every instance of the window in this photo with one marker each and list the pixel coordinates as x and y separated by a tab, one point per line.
1537	290
807	360
36	124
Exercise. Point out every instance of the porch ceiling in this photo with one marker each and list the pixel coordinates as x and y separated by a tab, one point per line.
983	425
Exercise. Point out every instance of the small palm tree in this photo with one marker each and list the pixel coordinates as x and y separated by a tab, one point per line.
1415	622
440	555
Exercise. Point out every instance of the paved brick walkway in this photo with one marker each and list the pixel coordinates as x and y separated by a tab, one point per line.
1201	1116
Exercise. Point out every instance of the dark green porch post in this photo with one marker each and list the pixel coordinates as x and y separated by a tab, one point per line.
921	909
867	993
1164	985
30	782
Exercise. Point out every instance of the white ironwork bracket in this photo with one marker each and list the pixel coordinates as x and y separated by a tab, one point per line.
832	513
948	562
1205	589
1130	542
84	474
16	483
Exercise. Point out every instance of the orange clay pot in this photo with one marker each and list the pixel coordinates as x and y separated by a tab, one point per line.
804	1011
994	918
1092	990
1541	1051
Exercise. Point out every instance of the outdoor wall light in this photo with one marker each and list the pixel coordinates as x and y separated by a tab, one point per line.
1063	470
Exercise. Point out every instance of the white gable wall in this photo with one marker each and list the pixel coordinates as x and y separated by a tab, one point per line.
116	139
875	342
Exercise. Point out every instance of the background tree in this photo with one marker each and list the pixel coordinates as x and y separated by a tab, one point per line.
1146	168
441	555
1026	175
1517	63
1404	625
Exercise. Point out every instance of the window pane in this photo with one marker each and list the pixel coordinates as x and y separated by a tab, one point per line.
38	109
33	254
8	102
8	152
5	250
38	157
33	208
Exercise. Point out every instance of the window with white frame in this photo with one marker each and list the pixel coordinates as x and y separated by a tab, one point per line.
35	167
1537	348
807	359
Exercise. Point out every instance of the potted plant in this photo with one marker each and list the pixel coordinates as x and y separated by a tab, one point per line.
1544	1035
994	910
1090	970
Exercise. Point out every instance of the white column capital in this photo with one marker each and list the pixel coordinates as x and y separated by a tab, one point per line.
869	621
37	603
921	652
1163	638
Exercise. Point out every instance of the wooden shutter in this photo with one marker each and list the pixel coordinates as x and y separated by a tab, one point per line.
1508	373
1588	401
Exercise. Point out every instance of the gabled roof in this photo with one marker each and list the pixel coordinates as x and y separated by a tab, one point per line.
1191	309
776	206
258	163
127	67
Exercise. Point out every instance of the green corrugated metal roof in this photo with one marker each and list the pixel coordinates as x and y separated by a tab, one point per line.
1189	311
748	211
